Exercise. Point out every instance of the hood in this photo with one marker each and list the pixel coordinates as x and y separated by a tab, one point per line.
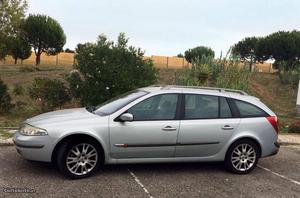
60	116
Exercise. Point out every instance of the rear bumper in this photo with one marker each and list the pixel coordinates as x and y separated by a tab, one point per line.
275	149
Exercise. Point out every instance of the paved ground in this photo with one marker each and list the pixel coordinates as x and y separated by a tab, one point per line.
277	176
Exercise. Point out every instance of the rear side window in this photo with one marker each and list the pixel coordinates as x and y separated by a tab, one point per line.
201	106
249	110
225	111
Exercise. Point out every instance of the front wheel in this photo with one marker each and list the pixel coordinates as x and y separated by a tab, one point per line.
79	159
242	157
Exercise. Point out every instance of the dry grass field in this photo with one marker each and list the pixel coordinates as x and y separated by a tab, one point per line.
66	60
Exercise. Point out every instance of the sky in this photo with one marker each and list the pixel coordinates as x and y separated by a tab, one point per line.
169	27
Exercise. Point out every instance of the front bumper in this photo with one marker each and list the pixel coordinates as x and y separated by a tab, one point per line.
36	148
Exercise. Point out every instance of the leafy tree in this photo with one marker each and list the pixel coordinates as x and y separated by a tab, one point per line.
12	12
19	49
51	93
44	34
280	46
67	50
3	49
198	52
5	99
109	69
246	50
180	55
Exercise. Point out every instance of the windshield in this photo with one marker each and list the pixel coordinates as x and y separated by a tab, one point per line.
118	102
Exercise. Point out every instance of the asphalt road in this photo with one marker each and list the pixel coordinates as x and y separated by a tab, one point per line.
277	176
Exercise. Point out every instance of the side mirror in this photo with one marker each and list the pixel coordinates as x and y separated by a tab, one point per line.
126	117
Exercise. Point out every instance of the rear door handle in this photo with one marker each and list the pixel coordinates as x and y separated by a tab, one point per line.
227	127
169	128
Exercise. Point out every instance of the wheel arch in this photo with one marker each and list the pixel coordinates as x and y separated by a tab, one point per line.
72	137
251	138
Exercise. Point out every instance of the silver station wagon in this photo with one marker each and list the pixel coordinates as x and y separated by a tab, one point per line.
154	124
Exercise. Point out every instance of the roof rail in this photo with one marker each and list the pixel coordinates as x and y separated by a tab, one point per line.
200	87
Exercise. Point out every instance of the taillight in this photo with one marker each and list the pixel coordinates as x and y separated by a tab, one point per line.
274	122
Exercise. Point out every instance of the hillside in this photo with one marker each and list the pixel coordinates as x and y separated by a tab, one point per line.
280	98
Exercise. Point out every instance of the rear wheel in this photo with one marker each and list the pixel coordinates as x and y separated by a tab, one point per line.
79	159
242	156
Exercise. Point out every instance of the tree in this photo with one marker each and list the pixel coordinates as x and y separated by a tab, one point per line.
44	34
12	12
246	49
67	50
109	69
198	52
19	49
180	55
280	46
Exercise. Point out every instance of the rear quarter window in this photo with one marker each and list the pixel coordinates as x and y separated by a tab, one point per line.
249	110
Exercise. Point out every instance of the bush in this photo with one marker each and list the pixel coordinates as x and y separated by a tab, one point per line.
234	76
75	83
51	93
18	89
289	76
199	73
294	127
5	99
109	69
223	73
29	69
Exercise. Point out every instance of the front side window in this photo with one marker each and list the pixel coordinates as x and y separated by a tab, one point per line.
248	110
201	106
159	107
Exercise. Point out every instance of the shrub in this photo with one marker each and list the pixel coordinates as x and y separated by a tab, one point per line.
294	127
29	69
51	93
75	83
18	89
5	99
109	69
234	76
289	76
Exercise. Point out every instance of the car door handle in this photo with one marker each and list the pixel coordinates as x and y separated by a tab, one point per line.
227	127
169	128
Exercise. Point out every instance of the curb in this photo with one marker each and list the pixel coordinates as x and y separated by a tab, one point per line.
289	144
7	142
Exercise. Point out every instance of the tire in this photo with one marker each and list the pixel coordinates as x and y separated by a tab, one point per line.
83	157
242	156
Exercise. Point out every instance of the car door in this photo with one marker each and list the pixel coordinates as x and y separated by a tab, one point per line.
153	131
207	125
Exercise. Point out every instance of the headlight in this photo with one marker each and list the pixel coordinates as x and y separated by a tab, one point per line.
27	129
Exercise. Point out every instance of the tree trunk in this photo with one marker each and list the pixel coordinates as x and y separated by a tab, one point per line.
38	58
16	61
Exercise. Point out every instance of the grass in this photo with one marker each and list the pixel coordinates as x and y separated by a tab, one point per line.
4	134
280	98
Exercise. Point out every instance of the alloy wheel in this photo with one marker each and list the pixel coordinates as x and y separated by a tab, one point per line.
81	159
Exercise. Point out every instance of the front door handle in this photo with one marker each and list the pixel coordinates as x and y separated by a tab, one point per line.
227	127
169	128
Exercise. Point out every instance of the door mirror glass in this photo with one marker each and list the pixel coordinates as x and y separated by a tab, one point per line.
126	117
